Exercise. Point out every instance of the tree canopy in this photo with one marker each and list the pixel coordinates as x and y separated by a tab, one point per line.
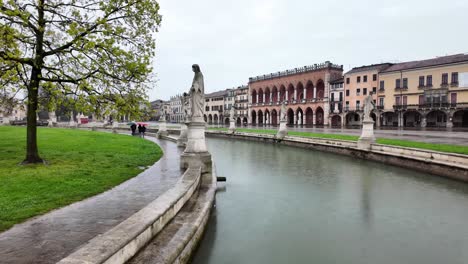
98	52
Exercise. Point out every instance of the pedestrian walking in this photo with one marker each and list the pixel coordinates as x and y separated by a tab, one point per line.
143	130
133	127
139	129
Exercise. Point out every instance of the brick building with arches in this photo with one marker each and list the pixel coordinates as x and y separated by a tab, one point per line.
305	91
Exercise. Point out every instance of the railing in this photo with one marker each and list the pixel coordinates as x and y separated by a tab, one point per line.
351	109
430	106
332	107
315	67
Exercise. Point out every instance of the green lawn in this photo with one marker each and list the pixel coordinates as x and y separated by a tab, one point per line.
421	145
385	141
80	164
290	133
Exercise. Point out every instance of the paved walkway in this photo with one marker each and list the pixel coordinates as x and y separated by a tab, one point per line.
53	236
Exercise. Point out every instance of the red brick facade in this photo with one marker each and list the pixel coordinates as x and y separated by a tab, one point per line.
305	90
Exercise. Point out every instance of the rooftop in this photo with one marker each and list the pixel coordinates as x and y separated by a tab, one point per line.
457	58
315	67
339	80
217	94
373	67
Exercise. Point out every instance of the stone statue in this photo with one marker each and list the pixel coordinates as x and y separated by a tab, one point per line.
186	105
283	112
197	95
368	107
163	116
232	113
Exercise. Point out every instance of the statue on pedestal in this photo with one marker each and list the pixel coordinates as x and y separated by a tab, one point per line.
367	133
369	105
232	114
196	152
197	95
186	106
283	116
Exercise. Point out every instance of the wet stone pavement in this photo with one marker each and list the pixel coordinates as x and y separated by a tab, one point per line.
53	236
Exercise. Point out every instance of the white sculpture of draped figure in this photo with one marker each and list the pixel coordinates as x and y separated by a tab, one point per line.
197	95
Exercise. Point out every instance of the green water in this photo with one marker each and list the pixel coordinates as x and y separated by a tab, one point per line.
290	205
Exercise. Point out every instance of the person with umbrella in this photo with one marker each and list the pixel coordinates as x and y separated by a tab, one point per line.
133	127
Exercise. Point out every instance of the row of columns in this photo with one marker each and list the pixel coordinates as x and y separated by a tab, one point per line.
296	118
286	95
400	120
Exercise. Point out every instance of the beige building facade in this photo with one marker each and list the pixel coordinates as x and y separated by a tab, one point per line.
359	82
214	107
426	93
17	113
242	104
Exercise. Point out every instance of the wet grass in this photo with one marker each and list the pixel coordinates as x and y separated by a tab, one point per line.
386	141
80	164
292	133
422	145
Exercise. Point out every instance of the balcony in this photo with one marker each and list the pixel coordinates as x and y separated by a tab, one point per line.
380	107
454	84
430	106
401	88
352	109
336	107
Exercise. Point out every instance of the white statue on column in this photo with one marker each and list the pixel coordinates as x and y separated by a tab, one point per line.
182	140
162	128
232	120
282	132
72	122
367	135
196	152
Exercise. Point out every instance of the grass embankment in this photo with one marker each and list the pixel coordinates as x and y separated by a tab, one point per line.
291	133
422	145
80	164
386	141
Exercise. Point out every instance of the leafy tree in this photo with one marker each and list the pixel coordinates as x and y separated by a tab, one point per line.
97	52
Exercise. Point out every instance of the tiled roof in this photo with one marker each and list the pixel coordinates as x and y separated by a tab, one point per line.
373	67
216	94
428	63
339	80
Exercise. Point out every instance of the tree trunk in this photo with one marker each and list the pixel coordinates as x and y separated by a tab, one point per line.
32	154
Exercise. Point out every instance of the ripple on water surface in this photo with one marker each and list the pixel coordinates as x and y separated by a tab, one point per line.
290	205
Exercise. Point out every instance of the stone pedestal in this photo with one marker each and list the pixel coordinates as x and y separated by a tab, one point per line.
52	119
196	153
283	131
449	123
232	126
6	120
162	130
423	122
182	140
115	125
367	135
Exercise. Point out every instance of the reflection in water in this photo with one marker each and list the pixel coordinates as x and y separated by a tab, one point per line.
292	205
366	202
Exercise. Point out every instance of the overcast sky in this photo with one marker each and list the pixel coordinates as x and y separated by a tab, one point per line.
235	40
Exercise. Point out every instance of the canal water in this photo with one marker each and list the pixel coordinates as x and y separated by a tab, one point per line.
290	205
